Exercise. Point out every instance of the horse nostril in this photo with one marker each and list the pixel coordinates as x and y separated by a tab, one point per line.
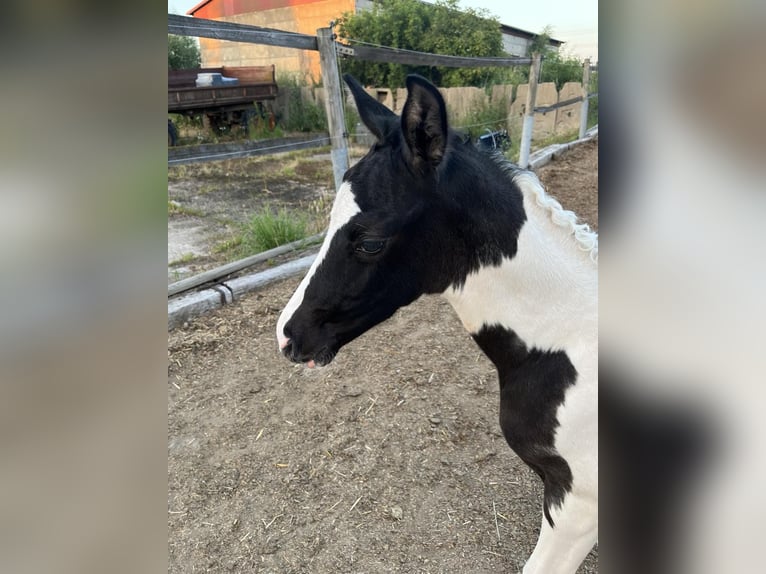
287	350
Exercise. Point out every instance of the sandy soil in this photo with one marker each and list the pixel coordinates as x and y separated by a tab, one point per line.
390	459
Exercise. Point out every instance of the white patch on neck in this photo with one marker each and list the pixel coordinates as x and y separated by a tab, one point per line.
547	293
343	209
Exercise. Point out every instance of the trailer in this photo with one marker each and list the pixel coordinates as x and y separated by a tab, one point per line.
239	94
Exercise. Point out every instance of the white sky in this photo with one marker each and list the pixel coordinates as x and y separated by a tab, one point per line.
573	21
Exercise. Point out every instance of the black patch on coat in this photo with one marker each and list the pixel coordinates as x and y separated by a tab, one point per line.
532	388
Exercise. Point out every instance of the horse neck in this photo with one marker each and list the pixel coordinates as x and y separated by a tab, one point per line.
546	293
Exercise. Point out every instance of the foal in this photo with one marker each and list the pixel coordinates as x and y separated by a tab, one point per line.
426	212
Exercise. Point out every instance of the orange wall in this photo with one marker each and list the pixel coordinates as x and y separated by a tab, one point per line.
223	8
304	16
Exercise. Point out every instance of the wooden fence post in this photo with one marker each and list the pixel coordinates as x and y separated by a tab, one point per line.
333	103
529	112
585	89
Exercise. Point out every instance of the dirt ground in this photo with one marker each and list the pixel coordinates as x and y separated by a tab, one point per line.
211	202
390	459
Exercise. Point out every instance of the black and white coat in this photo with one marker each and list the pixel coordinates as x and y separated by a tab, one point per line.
425	212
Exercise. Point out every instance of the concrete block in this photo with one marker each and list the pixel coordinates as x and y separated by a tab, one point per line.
401	97
462	102
503	93
545	123
568	117
384	95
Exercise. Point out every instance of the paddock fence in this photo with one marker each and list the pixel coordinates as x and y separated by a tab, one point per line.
522	110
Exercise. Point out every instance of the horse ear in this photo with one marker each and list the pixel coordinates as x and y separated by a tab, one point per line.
377	117
424	123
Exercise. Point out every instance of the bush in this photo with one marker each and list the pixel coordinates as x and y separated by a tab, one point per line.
183	52
300	115
560	69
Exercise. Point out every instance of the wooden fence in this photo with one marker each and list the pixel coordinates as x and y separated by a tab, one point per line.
328	50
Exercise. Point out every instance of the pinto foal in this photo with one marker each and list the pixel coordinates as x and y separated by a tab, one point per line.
426	212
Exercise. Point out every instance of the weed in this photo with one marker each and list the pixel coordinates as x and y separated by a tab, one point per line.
490	116
300	114
228	245
175	208
268	229
185	259
565	137
320	209
288	171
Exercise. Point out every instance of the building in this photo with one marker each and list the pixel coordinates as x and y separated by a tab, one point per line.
516	41
305	17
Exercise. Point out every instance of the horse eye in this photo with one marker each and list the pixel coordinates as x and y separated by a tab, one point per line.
371	246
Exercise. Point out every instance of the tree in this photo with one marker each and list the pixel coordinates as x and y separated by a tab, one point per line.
441	28
556	67
183	52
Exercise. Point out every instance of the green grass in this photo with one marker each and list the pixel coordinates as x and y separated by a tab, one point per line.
228	245
490	116
593	112
565	137
183	260
177	209
512	153
191	131
268	229
296	164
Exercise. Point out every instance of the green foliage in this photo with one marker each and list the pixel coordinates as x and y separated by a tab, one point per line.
440	28
491	116
175	208
300	115
352	118
268	229
556	67
541	43
183	52
258	128
593	104
561	69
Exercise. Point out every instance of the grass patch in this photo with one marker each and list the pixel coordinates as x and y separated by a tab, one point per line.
175	208
297	165
565	137
268	229
512	153
185	259
299	114
490	116
228	246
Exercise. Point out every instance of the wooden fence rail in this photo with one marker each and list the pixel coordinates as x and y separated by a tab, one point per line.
202	28
186	26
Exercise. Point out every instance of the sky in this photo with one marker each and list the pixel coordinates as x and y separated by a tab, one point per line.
573	21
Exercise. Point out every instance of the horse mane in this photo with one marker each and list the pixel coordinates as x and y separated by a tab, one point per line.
586	238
